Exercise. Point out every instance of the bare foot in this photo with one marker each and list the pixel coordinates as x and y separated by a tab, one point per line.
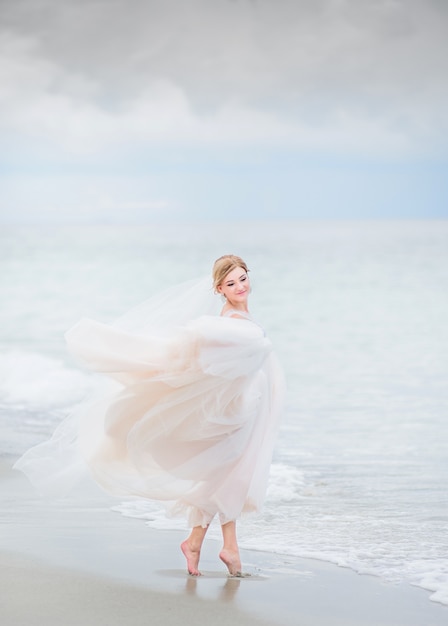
192	557
232	560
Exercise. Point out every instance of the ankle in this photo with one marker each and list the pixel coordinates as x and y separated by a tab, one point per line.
233	549
193	545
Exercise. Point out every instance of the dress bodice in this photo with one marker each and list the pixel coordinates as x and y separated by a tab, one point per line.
231	312
243	314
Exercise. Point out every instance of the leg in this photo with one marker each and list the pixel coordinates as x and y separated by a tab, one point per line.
191	548
230	554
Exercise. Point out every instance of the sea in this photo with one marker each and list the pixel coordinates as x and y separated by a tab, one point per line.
358	314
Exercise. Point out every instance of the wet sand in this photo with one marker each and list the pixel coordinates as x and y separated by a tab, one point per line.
76	562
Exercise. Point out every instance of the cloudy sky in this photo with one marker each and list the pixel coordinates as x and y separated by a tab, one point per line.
140	109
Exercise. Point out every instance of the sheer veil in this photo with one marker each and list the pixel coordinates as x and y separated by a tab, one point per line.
172	307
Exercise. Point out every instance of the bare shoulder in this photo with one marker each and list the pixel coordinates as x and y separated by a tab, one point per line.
239	315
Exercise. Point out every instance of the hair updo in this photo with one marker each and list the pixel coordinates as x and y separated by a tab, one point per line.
224	265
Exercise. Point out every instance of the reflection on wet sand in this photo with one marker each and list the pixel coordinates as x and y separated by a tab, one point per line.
226	593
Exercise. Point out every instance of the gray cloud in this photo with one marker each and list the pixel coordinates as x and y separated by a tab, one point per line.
311	65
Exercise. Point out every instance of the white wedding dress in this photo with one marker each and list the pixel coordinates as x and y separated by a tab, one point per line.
192	422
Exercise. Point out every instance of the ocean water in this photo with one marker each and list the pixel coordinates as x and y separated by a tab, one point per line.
358	314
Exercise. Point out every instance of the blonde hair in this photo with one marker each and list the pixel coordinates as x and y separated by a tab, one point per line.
224	265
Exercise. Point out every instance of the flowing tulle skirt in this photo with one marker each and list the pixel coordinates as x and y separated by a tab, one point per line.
192	421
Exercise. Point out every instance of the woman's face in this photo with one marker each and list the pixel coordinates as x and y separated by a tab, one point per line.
235	286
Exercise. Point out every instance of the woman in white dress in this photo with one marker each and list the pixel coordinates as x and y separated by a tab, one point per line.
194	419
231	280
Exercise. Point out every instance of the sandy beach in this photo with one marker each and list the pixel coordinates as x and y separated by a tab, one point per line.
76	562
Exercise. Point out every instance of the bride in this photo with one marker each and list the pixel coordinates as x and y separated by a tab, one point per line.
194	419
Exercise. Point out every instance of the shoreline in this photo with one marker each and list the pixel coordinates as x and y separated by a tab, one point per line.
78	558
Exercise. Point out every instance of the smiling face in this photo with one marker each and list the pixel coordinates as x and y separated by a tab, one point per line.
236	287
